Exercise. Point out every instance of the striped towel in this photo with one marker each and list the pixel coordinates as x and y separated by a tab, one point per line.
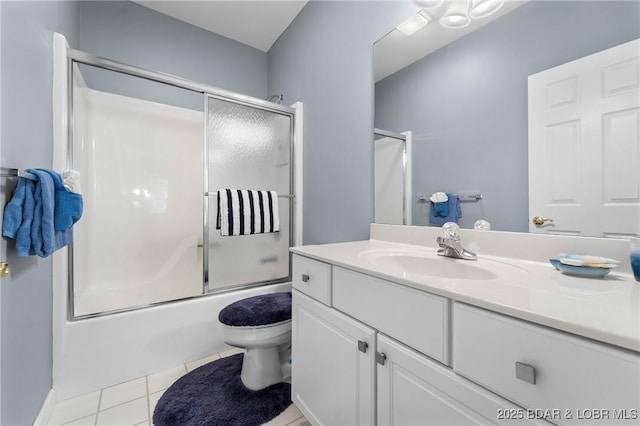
245	212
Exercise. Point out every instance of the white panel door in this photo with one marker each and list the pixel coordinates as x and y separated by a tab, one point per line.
332	377
584	145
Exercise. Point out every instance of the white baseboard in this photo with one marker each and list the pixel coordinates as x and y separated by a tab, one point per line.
46	410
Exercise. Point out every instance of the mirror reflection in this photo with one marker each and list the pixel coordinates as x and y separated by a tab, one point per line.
392	177
467	104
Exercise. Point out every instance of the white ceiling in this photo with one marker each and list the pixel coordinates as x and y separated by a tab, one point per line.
396	50
257	23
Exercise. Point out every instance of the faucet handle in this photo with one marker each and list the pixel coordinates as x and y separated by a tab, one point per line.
451	230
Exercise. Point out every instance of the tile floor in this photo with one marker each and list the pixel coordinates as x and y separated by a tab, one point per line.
132	403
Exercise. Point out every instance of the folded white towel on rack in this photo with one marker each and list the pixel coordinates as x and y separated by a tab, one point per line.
71	181
439	197
246	212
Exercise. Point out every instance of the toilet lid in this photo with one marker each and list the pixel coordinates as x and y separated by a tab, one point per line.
257	310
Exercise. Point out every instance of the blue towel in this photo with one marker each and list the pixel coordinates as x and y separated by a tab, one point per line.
12	217
29	217
441	209
454	211
23	237
68	205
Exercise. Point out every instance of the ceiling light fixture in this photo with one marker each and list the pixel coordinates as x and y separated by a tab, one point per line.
456	16
414	23
483	8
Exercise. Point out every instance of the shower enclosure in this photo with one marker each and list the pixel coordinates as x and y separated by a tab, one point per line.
392	177
152	151
148	237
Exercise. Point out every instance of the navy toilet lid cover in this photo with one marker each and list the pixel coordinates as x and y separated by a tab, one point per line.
257	310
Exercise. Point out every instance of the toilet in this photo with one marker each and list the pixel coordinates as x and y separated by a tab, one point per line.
261	325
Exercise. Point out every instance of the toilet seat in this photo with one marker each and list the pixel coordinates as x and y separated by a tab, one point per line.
262	310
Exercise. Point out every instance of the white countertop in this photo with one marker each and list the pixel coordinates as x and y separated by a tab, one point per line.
604	309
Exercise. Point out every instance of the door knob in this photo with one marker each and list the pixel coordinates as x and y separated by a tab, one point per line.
538	220
4	269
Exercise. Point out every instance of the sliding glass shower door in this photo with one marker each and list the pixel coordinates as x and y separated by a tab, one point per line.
152	155
138	147
248	148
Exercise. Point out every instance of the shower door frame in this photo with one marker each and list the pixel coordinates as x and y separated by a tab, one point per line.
79	57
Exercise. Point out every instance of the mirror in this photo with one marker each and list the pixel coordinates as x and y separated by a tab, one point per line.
466	103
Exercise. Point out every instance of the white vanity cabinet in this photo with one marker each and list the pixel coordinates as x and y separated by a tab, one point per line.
354	363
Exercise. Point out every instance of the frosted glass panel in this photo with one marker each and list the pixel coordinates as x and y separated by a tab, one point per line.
248	148
140	238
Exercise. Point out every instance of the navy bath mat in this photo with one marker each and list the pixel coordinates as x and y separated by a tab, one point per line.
214	395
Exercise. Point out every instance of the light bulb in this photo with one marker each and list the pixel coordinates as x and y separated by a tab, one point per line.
414	23
484	8
456	16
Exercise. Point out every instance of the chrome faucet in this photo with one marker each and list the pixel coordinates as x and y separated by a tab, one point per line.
450	244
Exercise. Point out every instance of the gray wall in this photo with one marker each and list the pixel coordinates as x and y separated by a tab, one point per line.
467	102
140	36
325	59
26	141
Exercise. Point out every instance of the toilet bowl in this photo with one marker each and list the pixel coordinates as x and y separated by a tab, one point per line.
262	326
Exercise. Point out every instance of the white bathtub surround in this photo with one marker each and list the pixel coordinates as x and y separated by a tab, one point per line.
606	309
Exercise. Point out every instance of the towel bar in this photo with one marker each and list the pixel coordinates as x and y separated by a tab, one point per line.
464	197
470	197
7	172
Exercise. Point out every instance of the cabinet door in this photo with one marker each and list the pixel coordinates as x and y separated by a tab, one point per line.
413	390
332	374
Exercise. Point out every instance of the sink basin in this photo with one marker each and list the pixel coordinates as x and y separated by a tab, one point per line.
407	262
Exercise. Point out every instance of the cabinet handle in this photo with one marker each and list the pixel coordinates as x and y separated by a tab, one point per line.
526	372
381	358
362	346
305	278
